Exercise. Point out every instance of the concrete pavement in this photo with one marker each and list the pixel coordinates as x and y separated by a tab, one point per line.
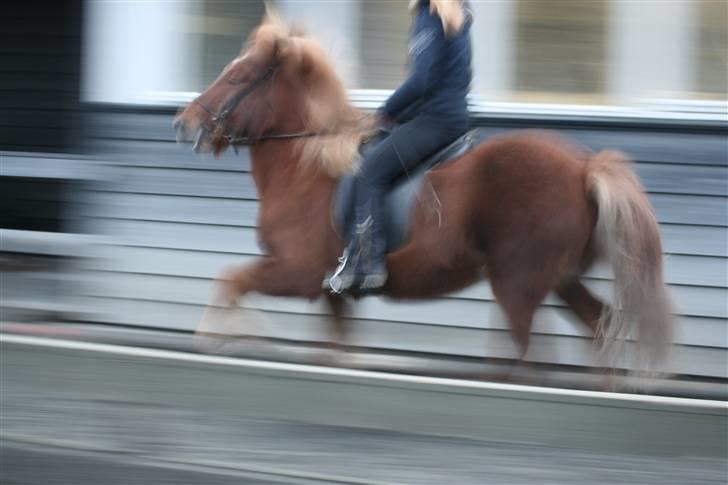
147	409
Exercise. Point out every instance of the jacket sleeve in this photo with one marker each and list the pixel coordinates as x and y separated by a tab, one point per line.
425	51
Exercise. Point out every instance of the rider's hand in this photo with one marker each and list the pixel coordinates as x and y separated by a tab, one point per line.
383	120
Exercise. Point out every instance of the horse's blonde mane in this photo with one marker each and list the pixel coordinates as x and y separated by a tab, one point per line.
326	110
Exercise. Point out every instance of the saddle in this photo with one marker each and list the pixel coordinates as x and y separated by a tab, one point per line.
400	198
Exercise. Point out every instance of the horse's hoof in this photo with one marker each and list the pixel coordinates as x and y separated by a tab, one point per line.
208	343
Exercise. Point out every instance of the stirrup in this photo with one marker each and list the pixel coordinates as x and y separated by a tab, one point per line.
336	283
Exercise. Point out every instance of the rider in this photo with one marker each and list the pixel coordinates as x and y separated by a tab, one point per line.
430	110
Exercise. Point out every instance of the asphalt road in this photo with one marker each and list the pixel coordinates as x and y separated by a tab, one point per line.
77	417
23	464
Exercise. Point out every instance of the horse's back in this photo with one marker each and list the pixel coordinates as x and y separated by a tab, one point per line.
529	154
522	190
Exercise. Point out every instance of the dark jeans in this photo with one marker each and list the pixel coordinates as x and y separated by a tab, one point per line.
407	146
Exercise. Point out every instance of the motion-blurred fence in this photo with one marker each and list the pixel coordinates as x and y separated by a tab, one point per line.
165	221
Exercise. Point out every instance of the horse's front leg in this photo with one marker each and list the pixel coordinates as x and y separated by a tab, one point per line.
222	317
269	276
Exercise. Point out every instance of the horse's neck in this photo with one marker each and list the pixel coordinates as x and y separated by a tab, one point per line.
278	173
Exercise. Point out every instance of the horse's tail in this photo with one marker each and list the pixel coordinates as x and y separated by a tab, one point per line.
628	235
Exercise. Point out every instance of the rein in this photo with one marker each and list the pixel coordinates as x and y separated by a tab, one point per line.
246	141
249	141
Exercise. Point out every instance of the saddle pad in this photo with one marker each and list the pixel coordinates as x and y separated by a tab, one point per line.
400	199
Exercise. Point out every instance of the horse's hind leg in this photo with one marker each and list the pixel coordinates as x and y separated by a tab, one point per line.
519	296
519	291
585	305
588	309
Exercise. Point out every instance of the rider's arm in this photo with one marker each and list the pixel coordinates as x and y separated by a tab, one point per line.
426	49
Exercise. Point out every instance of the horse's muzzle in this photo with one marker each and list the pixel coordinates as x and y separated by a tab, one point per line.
199	140
197	133
180	127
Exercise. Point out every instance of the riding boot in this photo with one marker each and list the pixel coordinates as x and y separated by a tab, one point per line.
362	266
345	274
371	268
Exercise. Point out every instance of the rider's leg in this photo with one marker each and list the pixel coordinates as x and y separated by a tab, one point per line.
371	233
408	145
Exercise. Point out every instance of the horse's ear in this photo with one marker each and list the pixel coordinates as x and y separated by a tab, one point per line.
271	15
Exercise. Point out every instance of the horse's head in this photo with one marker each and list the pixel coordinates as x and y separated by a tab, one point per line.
280	83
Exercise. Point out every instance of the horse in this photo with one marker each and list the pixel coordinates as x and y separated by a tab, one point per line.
528	210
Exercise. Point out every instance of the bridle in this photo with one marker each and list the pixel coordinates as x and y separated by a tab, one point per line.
218	120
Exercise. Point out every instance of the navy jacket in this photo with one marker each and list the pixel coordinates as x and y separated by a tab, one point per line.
440	72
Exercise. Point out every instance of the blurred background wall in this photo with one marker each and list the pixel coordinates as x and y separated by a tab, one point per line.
556	51
105	219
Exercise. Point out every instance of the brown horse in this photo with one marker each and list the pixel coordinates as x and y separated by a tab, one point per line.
529	210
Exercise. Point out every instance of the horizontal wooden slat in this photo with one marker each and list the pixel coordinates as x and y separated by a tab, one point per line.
662	178
47	243
466	308
19	285
690	209
132	126
683	179
697	240
174	208
659	178
663	147
185	182
679	269
166	154
35	168
704	241
674	209
402	336
178	236
682	269
308	327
